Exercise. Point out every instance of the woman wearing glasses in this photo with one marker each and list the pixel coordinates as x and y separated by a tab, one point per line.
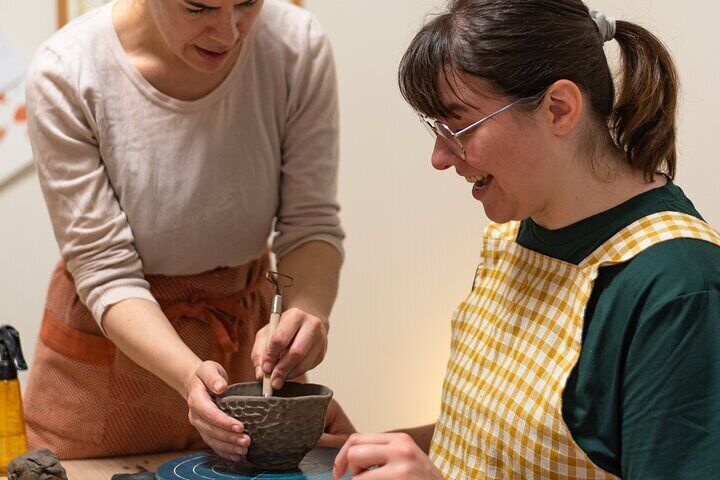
170	136
588	346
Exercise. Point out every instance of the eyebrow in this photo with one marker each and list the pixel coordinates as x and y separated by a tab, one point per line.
200	5
457	107
203	6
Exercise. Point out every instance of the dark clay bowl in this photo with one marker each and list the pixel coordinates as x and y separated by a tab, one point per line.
282	428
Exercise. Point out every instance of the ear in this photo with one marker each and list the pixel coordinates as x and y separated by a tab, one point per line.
563	106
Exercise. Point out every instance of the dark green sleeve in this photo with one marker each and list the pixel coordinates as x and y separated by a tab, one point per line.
671	392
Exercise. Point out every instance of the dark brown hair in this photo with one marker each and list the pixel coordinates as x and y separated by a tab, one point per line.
524	46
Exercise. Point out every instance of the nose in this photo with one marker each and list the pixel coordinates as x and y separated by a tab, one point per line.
442	157
226	29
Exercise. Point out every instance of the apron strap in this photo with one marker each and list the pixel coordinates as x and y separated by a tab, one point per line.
646	232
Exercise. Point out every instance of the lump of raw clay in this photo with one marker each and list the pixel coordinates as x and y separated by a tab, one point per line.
36	465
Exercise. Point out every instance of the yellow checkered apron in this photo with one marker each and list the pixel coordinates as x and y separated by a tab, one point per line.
515	340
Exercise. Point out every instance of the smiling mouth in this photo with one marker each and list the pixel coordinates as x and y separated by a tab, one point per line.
211	53
479	182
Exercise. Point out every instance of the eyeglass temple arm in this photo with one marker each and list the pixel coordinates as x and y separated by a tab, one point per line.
460	132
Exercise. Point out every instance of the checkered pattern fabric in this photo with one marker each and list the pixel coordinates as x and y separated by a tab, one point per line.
515	340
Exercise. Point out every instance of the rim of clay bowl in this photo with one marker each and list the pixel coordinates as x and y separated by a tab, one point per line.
253	390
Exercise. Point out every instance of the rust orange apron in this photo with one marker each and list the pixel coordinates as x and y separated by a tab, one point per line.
85	398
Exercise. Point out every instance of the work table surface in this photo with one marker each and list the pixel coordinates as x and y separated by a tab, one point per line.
105	468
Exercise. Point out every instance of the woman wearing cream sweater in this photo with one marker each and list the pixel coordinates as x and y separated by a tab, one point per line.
171	136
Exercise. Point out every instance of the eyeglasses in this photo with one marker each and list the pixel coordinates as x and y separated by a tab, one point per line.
439	129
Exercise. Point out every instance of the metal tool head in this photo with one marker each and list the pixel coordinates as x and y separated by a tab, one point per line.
279	281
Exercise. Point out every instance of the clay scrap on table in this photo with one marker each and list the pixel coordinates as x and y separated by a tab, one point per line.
134	476
36	465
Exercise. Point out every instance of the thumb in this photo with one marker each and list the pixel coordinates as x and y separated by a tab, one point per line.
214	376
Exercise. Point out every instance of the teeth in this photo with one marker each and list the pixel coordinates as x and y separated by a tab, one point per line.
476	179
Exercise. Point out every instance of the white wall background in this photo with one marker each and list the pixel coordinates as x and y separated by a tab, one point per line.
412	233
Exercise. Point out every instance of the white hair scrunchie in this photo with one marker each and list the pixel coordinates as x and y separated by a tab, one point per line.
607	26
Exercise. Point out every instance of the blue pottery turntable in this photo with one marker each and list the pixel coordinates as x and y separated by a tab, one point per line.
317	465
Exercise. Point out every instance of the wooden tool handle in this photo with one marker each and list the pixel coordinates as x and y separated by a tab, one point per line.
274	320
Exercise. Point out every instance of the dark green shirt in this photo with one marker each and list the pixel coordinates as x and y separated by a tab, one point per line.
643	401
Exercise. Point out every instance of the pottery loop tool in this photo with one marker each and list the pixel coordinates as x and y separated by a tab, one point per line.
280	282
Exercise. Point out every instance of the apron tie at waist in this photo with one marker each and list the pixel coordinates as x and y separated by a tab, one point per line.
220	314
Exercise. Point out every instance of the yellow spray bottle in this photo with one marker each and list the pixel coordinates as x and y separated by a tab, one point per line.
13	441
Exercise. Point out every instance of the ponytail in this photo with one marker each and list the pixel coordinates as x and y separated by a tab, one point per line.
643	119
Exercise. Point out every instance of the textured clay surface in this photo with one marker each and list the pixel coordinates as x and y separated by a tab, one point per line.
36	465
282	428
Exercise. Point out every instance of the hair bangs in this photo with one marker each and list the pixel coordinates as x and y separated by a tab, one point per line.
424	66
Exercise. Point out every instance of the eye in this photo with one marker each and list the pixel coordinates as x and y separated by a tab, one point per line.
248	4
195	11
